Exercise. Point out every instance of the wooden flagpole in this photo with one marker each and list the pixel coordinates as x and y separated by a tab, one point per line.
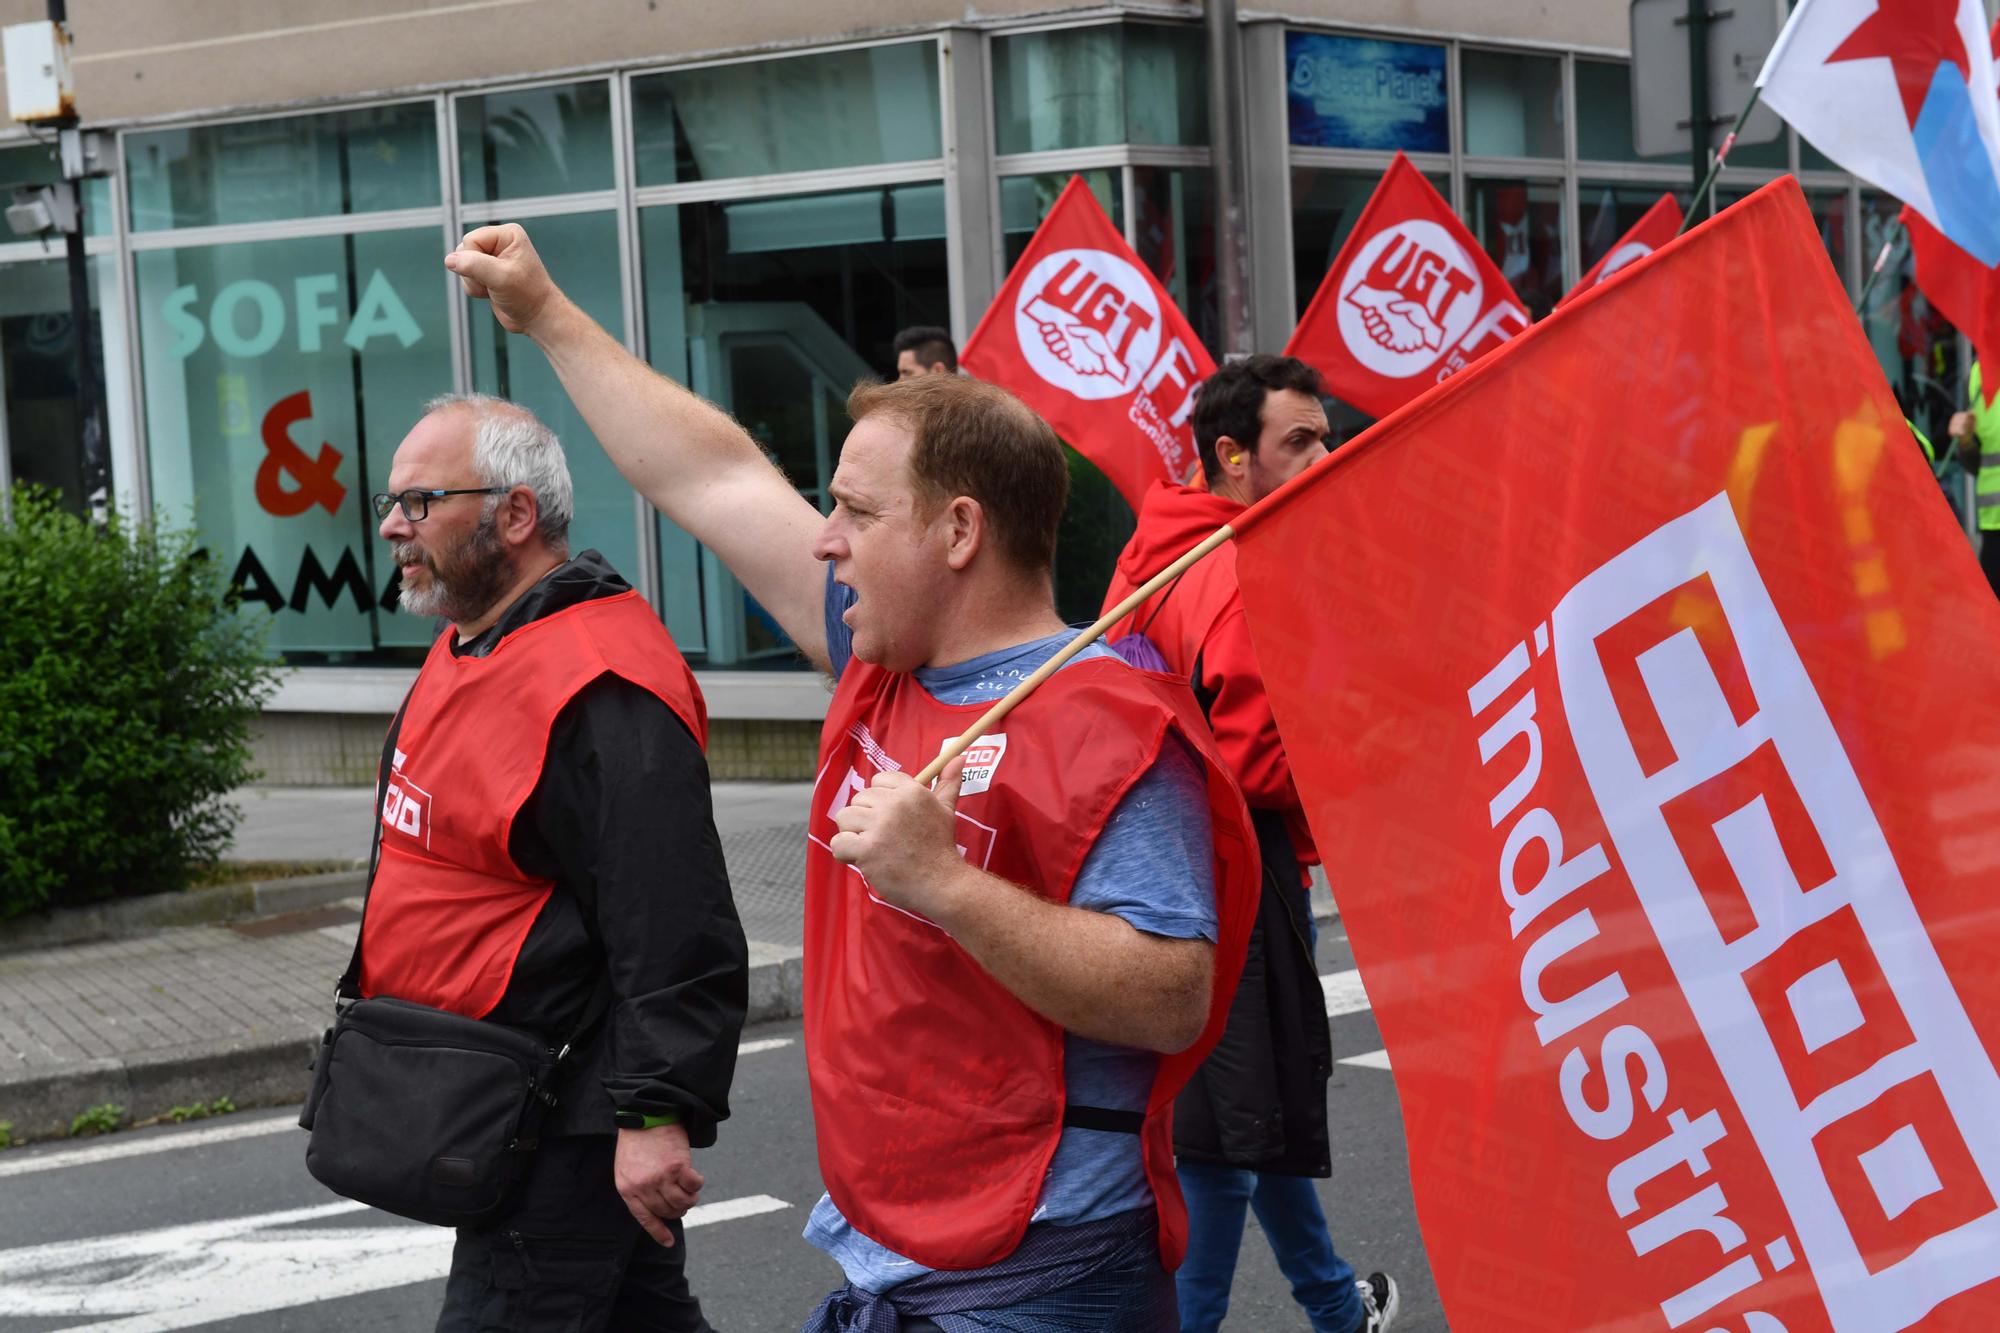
993	716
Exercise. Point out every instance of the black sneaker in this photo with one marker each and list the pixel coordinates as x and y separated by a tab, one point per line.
1380	1302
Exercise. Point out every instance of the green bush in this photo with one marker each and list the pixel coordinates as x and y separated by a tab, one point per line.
127	688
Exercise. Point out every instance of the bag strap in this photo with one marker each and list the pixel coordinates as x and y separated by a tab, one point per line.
348	988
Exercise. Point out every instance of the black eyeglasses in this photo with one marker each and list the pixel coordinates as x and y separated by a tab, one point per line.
417	504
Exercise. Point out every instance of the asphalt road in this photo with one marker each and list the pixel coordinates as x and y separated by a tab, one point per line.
218	1227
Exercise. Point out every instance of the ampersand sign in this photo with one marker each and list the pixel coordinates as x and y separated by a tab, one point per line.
316	484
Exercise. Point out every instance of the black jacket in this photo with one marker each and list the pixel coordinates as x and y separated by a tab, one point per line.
621	820
1258	1102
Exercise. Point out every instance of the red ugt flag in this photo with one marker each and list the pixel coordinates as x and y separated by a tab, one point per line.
1655	227
1654	764
1962	289
1410	298
1089	339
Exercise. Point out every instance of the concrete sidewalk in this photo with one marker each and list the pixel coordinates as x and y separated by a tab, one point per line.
187	1014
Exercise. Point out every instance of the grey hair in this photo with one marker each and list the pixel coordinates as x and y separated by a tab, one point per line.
511	447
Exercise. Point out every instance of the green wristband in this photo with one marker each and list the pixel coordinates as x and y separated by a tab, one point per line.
635	1120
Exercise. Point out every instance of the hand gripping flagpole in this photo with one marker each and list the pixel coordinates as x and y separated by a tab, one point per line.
997	712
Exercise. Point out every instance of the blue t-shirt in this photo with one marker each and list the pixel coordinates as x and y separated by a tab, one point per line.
1152	866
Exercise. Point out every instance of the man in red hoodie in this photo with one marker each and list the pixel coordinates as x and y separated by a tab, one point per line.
1250	1129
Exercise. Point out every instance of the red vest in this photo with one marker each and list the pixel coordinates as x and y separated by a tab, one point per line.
937	1095
449	910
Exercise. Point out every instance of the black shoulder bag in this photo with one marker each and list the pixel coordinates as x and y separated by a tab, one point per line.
422	1112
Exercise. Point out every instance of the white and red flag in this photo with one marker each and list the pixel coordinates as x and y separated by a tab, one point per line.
1086	336
1963	290
1655	227
1410	299
1644	699
1901	93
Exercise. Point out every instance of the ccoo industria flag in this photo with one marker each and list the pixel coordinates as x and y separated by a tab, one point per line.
1086	336
1410	299
1647	714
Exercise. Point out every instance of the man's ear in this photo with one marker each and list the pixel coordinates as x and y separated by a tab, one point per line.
520	517
1233	456
964	530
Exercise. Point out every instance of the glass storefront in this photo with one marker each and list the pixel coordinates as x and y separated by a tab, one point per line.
273	314
1520	223
774	308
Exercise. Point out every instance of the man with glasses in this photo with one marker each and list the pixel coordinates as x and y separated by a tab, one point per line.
552	864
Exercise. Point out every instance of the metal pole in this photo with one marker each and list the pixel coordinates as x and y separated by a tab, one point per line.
91	449
1229	171
1881	262
1697	22
1707	182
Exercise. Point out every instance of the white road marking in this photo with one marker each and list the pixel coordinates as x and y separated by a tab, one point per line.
1344	994
1371	1060
13	1165
10	1165
179	1277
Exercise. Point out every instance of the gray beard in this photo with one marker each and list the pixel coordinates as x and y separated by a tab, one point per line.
475	576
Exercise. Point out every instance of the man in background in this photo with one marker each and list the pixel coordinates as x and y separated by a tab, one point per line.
1250	1129
925	349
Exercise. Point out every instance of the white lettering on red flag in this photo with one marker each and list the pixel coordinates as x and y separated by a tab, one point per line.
1646	714
1409	300
1091	340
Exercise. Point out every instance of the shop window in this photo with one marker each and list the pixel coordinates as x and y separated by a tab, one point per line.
1173	231
535	141
774	308
1360	92
1513	104
849	108
279	376
360	161
1608	212
37	165
1026	200
1520	224
1166	84
1325	204
38	370
1604	115
1142	83
581	251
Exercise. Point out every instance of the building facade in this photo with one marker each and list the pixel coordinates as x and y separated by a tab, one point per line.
755	199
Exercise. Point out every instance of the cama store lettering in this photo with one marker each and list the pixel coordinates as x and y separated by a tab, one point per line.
252	582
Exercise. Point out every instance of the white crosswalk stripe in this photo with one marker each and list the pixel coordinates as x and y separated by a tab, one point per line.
1344	993
21	1163
178	1277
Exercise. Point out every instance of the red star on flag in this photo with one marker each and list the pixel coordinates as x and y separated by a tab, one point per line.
1917	36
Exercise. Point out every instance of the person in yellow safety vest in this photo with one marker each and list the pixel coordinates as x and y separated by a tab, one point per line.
1977	431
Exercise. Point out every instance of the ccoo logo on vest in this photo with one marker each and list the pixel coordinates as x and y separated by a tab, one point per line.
1408	297
406	807
1088	323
